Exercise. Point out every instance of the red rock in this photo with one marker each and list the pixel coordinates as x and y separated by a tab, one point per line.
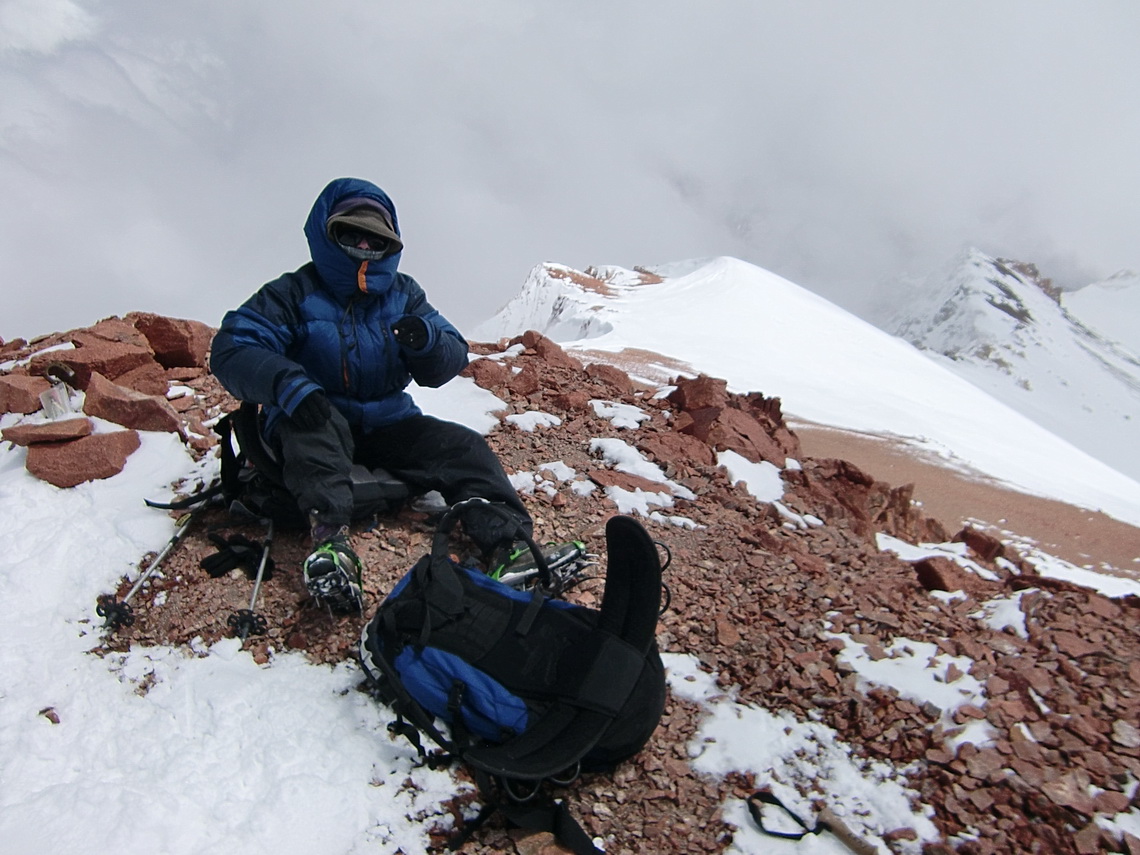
940	574
12	346
111	359
115	330
1031	773
810	563
985	763
20	393
981	799
996	686
129	408
549	351
727	634
488	373
1074	645
176	342
183	375
696	423
1103	606
1071	790
900	834
526	382
940	756
58	431
611	478
150	379
613	377
676	448
735	430
1087	840
91	458
1111	801
968	711
1125	734
985	546
700	393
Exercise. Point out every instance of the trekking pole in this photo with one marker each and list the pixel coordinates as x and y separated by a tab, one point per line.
247	622
120	613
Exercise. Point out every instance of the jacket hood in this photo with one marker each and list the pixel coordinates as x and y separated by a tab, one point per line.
344	276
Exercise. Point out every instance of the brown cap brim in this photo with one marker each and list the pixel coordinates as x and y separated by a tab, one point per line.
365	220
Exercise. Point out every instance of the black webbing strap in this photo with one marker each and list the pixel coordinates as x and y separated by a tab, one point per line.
764	797
407	706
550	816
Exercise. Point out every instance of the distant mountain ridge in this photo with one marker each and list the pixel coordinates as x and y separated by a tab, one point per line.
999	324
762	333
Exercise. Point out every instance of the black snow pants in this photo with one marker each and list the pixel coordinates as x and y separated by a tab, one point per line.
424	452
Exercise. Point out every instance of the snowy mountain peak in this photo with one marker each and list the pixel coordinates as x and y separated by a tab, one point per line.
1002	326
989	309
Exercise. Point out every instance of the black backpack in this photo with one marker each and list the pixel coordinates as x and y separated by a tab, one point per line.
252	484
532	689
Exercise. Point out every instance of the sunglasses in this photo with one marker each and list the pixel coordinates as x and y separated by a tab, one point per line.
356	239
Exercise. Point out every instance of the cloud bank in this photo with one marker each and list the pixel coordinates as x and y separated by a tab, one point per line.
164	159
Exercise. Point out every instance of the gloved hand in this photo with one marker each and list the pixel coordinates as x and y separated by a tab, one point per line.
235	551
312	412
411	332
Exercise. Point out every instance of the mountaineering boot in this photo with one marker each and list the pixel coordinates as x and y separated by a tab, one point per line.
333	571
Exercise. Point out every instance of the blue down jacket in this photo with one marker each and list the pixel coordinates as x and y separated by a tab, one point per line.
328	326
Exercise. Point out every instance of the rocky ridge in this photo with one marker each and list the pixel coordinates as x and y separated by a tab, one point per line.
759	594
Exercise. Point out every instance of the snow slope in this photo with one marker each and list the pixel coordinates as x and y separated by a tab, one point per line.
203	750
762	333
1111	307
999	325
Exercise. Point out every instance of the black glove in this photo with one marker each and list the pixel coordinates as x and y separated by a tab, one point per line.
411	332
312	412
235	551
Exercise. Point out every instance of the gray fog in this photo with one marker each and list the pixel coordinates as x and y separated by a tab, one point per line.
163	157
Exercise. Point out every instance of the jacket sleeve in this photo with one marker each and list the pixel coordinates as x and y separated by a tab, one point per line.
445	353
249	353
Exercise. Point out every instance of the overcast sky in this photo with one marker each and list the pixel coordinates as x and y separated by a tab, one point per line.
163	156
